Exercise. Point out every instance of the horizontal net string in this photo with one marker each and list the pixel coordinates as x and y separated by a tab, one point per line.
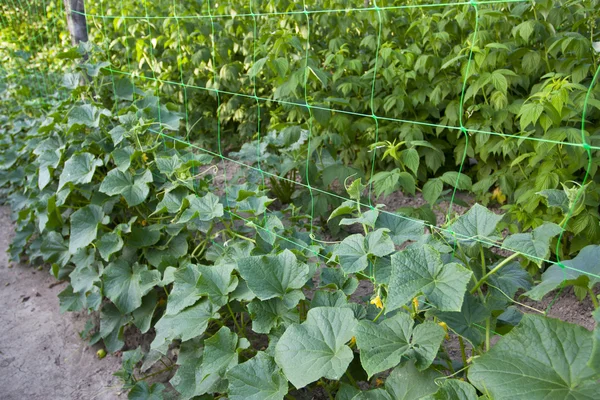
297	104
305	11
335	195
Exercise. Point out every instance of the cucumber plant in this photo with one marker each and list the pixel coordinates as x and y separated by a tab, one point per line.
152	234
138	223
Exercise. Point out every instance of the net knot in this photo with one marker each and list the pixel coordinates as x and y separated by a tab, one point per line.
464	130
561	265
473	3
587	147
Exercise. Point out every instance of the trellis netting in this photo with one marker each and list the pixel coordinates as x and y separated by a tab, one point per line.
301	98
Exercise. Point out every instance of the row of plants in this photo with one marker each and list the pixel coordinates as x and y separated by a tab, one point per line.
531	65
155	236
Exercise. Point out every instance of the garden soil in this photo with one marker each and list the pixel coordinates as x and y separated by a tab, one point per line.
42	356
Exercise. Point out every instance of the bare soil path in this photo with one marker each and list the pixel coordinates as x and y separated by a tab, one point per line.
42	356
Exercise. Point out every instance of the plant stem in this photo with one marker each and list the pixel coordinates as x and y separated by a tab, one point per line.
449	360
483	267
463	352
240	236
200	245
351	379
493	271
379	315
488	323
594	298
155	373
238	327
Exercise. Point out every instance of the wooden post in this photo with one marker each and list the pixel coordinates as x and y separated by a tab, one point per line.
76	20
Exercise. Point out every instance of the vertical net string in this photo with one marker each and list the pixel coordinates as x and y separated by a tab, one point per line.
372	100
153	61
217	92
310	125
464	131
254	92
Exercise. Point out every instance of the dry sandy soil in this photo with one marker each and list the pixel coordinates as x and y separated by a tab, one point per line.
42	356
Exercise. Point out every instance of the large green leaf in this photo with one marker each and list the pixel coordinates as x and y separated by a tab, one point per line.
270	314
112	322
353	252
142	316
143	391
582	271
204	208
78	169
407	383
87	115
109	244
84	226
133	189
400	227
188	324
534	245
126	284
217	282
280	276
168	165
70	300
317	348
383	345
220	354
184	292
467	323
86	272
478	223
420	270
172	200
122	157
55	249
257	379
556	198
542	358
403	383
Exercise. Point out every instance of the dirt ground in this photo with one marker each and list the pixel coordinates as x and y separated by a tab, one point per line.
42	356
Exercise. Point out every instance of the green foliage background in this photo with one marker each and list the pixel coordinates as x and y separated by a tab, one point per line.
111	163
532	64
